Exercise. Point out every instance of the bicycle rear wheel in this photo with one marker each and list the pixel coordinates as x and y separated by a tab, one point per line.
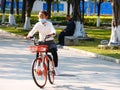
39	72
51	71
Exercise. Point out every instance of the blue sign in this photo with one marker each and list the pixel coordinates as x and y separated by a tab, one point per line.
8	5
106	8
61	7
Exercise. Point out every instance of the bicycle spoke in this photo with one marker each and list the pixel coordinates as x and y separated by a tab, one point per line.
39	74
51	72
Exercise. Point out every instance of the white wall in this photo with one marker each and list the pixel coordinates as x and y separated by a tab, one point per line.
38	6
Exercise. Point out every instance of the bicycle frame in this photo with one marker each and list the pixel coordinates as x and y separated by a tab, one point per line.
42	65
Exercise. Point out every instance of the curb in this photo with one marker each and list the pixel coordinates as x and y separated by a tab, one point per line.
111	59
12	34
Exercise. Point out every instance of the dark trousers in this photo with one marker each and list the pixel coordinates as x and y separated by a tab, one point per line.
62	36
55	56
53	49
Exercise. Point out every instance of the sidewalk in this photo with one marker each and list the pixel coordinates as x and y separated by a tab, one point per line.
78	70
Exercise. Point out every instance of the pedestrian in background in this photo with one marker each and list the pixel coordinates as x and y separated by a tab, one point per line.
68	31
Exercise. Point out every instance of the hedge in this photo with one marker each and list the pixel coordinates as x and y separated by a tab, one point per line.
88	20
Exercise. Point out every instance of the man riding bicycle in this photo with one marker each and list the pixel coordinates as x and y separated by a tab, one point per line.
45	27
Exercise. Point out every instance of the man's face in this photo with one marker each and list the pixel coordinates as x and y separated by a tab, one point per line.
67	18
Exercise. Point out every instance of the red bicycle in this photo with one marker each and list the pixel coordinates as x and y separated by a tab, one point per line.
43	65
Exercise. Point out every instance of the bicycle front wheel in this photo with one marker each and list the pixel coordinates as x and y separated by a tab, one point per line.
51	71
39	72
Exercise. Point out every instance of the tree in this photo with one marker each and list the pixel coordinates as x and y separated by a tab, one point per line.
29	6
52	7
99	7
57	3
78	16
11	15
49	2
17	7
95	6
3	3
23	11
115	33
68	7
88	8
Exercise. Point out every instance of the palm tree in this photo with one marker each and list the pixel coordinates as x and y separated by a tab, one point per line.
3	3
11	15
78	16
115	34
29	6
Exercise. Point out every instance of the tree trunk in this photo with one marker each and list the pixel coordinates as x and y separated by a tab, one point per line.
115	34
23	11
11	16
68	7
53	7
29	4
98	18
88	8
3	3
82	16
49	2
78	17
95	6
17	7
57	6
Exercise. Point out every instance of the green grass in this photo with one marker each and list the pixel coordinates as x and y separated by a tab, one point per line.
16	30
92	46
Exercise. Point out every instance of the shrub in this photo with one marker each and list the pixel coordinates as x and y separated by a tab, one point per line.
88	20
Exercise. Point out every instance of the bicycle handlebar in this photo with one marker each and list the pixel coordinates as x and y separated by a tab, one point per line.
46	37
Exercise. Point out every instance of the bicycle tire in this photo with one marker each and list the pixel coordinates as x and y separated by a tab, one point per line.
51	71
40	78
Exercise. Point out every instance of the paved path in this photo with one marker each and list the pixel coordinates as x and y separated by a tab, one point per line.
78	72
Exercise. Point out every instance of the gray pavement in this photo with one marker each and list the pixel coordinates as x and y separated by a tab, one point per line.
78	71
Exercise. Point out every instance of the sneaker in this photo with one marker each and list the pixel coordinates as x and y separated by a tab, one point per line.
56	71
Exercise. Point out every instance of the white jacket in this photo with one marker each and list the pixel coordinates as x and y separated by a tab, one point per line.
43	29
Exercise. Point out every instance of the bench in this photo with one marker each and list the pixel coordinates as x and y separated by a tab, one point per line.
70	41
73	41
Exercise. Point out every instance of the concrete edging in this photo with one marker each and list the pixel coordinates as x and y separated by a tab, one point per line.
111	59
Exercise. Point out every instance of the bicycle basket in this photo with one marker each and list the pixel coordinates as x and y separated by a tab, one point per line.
39	48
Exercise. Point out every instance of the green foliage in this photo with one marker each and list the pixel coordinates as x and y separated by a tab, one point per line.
92	46
61	20
91	20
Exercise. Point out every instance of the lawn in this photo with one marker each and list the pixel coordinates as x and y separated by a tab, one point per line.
92	46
